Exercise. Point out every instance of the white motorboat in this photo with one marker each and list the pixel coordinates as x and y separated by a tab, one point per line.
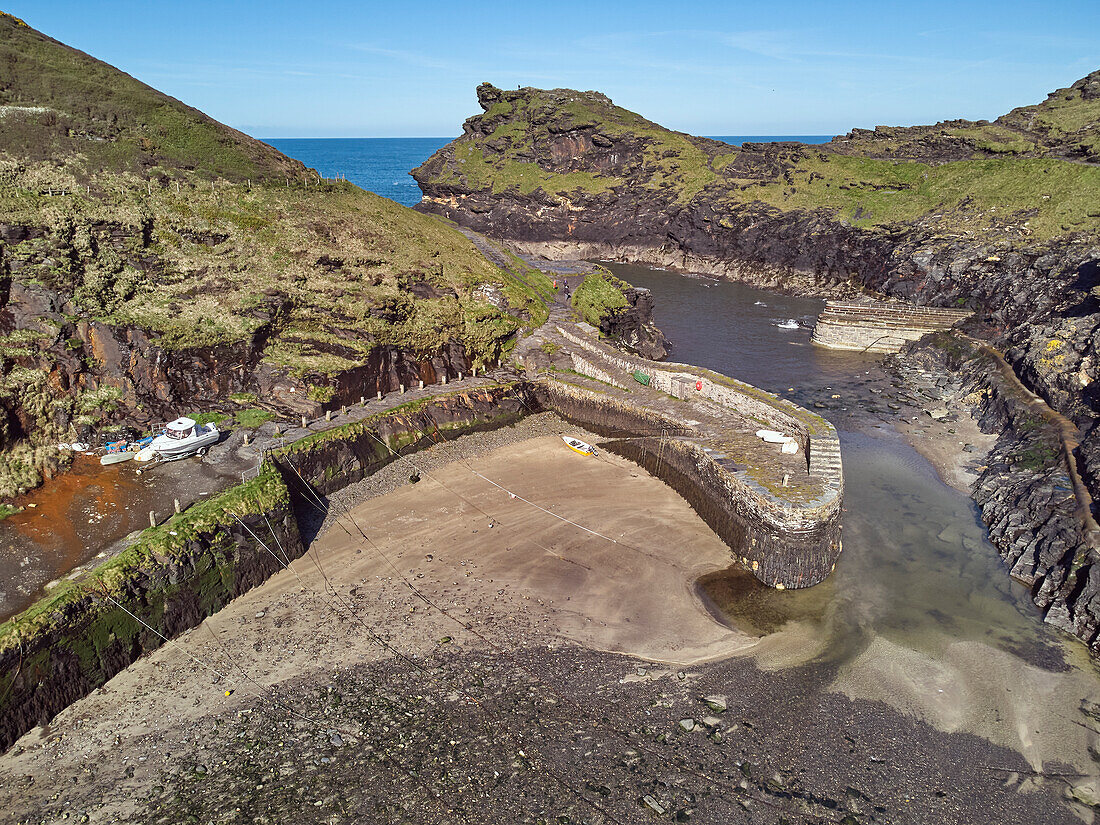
183	437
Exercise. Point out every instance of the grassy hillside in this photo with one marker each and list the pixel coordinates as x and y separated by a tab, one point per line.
1040	197
121	205
1026	173
1064	126
198	266
59	104
509	149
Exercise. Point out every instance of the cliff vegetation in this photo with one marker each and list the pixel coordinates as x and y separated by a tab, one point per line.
1030	170
1001	218
153	259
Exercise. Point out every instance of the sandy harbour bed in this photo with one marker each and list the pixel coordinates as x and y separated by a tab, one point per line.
526	649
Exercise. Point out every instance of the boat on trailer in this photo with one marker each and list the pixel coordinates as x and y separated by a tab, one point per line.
181	438
578	446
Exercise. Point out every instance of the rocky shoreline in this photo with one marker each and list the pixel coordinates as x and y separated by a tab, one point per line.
651	196
1031	498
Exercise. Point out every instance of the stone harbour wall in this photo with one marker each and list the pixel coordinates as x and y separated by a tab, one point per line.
879	326
816	437
174	576
786	545
331	460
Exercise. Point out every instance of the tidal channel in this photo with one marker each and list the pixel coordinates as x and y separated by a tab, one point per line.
920	612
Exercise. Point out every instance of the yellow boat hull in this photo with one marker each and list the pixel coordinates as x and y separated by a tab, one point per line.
578	446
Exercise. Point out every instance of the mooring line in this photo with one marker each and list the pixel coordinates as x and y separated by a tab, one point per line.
416	665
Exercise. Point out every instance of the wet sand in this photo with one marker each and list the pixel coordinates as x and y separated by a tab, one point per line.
606	554
517	574
516	594
943	449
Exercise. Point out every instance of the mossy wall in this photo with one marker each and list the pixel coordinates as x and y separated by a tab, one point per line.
178	573
332	460
175	575
783	546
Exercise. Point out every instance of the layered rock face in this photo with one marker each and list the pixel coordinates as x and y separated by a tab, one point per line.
633	326
997	218
154	262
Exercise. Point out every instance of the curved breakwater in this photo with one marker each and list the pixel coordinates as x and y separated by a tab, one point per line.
179	572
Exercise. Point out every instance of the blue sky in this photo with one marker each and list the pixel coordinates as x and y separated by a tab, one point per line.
342	69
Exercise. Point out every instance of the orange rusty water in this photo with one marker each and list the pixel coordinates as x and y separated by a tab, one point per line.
66	522
68	509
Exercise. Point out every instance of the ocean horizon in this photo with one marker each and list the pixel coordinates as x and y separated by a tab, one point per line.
382	165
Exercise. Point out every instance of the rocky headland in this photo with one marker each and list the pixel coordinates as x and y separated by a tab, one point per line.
1000	218
450	652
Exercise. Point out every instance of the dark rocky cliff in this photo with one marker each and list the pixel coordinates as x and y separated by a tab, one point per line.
1000	218
154	262
565	171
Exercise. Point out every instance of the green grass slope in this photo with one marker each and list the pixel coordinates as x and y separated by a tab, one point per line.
1029	173
517	146
57	103
123	206
1063	126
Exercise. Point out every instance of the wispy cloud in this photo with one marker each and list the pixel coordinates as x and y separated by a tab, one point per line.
229	72
777	45
411	58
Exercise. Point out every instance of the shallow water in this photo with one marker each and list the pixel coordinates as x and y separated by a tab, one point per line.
82	512
918	589
916	556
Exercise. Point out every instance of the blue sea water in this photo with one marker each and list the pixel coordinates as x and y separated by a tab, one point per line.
382	165
379	165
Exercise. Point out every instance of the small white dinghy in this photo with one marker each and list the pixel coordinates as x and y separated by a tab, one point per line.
578	446
116	458
773	437
789	445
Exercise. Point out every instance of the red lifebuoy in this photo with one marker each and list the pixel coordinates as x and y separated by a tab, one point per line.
699	386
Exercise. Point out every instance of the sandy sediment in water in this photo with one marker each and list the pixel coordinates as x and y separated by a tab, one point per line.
943	449
977	688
